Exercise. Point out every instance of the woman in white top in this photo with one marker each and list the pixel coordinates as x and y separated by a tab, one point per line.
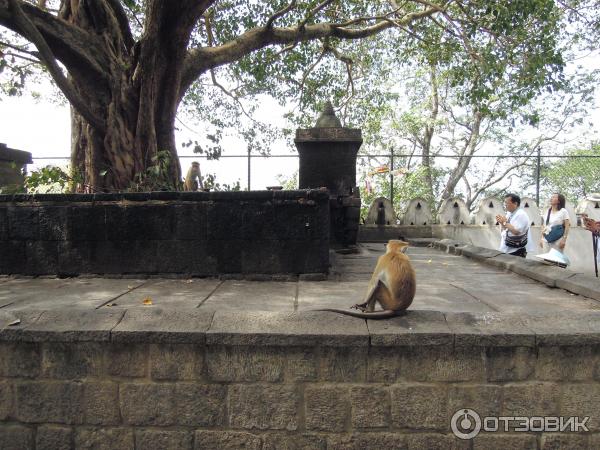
555	220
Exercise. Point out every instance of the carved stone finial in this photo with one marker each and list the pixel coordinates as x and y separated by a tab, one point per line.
328	119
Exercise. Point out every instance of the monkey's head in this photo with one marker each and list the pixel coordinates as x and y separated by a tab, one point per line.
195	164
396	246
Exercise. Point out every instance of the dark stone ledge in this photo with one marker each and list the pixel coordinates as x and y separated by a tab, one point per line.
490	329
309	194
163	326
61	325
310	328
414	328
306	329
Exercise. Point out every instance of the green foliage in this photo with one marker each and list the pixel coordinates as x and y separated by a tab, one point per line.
288	183
50	179
491	56
157	176
576	175
210	182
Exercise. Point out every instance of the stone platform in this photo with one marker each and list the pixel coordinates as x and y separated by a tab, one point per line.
233	364
445	282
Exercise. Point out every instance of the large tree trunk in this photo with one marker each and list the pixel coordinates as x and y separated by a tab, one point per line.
139	102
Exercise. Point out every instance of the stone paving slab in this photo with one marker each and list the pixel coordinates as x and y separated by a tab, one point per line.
582	285
152	324
330	294
170	293
489	329
414	328
253	296
445	297
87	293
565	328
72	326
25	319
527	299
308	328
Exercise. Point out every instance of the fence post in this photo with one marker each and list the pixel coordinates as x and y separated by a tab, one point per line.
392	176
537	176
249	169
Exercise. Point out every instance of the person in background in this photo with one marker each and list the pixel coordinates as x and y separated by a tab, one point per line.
556	225
593	226
515	230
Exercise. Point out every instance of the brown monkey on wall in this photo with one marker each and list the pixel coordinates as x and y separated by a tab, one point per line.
192	179
392	285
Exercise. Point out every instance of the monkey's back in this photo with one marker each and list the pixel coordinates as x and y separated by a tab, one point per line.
399	279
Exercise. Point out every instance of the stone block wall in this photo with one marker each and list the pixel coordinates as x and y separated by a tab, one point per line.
200	234
335	385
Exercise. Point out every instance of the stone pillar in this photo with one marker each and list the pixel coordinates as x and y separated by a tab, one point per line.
13	166
328	159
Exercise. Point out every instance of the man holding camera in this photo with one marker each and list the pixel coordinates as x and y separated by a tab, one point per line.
515	230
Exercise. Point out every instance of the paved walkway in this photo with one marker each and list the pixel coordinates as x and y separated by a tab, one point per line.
445	283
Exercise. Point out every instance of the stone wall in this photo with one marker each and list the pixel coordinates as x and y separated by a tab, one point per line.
193	233
188	380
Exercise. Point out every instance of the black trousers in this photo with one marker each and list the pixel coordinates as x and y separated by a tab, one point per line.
522	252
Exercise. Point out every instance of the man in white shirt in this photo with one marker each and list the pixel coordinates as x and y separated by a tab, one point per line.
514	225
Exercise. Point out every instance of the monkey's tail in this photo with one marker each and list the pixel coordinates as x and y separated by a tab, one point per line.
375	315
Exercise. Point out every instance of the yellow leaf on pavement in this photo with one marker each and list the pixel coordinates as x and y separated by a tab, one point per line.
147	301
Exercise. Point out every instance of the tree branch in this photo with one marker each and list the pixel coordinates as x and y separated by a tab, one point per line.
468	151
19	49
313	12
490	182
199	60
123	22
25	58
213	77
280	13
307	73
29	29
79	51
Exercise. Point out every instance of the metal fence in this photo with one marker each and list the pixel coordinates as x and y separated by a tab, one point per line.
250	170
404	176
400	176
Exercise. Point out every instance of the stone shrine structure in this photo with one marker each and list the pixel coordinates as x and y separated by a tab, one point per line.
532	209
454	211
13	164
489	208
381	212
328	159
418	212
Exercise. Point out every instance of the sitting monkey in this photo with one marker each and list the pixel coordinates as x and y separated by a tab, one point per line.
193	180
392	285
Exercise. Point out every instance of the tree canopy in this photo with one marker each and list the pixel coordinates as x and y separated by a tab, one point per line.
126	66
